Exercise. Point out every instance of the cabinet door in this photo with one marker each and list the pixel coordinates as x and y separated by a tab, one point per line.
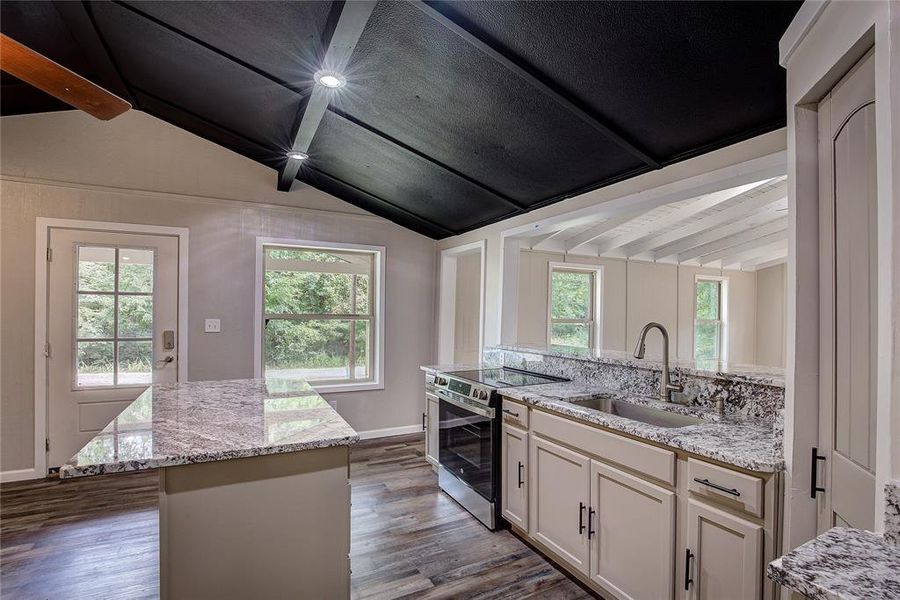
514	475
431	428
725	555
558	501
632	527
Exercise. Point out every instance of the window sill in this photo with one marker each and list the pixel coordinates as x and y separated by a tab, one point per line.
333	388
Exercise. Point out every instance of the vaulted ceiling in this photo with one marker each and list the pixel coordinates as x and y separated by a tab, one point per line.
455	114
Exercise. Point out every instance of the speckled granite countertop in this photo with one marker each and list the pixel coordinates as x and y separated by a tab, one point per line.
450	367
744	442
205	421
846	564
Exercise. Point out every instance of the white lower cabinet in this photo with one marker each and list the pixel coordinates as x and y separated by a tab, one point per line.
558	501
432	428
724	555
632	533
514	476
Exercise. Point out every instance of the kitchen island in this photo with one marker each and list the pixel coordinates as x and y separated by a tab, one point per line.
254	497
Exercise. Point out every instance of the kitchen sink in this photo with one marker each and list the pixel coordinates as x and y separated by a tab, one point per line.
637	412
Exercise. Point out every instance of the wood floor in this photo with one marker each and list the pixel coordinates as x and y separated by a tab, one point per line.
98	537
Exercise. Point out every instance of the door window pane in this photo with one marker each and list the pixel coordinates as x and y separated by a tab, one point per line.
94	364
135	270
96	269
96	314
570	334
135	362
571	295
315	349
135	316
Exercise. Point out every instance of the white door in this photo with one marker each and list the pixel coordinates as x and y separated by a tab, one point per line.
849	315
514	475
111	329
724	555
631	526
558	501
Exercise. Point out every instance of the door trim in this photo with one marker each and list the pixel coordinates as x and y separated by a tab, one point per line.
42	242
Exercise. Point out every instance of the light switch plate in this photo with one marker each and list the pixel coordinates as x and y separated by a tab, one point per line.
212	326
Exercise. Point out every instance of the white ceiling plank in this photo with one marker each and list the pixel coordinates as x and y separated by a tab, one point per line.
742	209
535	242
593	233
747	250
765	215
770	260
731	240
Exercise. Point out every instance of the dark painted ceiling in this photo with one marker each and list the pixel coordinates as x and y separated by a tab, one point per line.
455	114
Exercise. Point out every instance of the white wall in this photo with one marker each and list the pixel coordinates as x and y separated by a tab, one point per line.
467	310
138	169
771	306
637	292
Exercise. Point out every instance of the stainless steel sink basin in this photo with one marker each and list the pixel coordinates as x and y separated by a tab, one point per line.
636	412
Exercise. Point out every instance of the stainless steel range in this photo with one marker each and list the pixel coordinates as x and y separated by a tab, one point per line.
469	435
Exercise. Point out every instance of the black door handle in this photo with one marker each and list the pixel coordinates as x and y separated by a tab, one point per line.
814	473
687	569
591	531
580	518
521	481
423	421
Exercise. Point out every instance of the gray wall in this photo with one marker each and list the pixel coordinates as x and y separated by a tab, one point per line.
137	169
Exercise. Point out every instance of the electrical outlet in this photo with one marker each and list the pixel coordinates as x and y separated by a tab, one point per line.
212	326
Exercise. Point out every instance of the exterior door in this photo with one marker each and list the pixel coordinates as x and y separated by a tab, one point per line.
849	315
558	501
724	555
514	488
111	330
632	525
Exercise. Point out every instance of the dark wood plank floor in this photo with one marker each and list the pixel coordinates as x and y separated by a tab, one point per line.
98	537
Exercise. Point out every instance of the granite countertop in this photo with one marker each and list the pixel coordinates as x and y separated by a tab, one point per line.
205	421
450	367
713	369
841	563
744	442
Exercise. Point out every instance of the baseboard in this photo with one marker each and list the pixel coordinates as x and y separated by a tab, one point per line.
18	475
390	431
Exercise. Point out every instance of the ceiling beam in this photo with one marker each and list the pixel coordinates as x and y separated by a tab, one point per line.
778	257
739	210
750	249
81	25
730	241
348	27
538	82
534	243
395	142
585	237
765	215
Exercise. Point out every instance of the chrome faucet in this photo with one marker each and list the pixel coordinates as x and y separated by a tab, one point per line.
666	387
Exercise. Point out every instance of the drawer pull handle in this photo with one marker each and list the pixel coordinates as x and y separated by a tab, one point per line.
687	569
509	412
715	486
521	481
581	508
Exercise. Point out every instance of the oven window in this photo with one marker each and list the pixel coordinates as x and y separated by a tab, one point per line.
466	448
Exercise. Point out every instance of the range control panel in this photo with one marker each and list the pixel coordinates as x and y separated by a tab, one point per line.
463	388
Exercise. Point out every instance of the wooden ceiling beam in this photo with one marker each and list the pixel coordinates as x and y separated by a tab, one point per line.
778	257
606	226
348	19
731	241
747	250
539	82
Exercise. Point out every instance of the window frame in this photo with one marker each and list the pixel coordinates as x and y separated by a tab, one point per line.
722	321
376	318
595	322
115	294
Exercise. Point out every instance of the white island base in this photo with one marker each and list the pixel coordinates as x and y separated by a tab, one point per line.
273	526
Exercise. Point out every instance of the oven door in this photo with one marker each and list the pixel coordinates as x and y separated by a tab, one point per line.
466	442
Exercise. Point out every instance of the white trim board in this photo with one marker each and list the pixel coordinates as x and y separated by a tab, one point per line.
380	259
43	225
18	475
390	431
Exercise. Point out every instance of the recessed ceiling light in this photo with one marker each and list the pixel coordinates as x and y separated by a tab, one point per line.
330	79
297	155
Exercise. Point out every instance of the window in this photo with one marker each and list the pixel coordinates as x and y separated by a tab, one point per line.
320	313
114	316
573	306
709	318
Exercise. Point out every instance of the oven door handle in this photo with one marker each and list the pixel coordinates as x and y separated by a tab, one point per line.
484	412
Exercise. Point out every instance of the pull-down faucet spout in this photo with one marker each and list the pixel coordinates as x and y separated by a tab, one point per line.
666	387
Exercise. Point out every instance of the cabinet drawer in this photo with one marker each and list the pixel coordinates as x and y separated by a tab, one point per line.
515	413
713	482
644	458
